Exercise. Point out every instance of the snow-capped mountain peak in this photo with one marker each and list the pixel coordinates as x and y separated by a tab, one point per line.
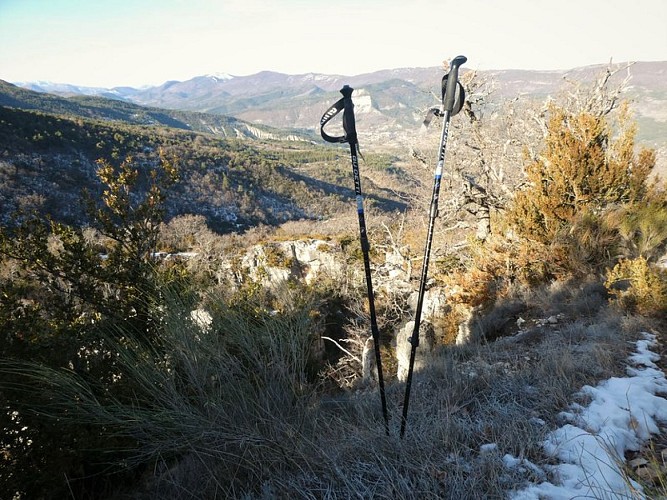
220	76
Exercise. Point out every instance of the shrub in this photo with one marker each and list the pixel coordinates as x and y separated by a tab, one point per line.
236	391
583	168
590	244
584	171
58	293
637	287
643	226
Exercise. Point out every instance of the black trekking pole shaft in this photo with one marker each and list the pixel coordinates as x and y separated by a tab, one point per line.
448	105
365	249
350	136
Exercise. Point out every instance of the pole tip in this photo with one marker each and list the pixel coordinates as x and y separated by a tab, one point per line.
346	91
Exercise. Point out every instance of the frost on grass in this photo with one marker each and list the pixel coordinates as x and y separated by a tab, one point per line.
622	413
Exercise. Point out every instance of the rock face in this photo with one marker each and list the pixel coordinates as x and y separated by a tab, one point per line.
275	263
404	347
369	368
434	305
300	259
465	334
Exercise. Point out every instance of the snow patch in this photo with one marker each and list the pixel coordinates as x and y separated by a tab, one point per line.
623	413
220	76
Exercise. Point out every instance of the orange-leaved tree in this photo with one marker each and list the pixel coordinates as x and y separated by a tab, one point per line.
587	168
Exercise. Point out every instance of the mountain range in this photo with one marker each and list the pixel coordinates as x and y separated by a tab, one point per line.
97	104
389	103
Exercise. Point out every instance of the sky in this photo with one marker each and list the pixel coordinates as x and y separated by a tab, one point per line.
147	42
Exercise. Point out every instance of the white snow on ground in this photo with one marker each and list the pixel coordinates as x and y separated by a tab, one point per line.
622	413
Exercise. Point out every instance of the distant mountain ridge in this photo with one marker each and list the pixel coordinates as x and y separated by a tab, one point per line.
390	103
53	139
97	105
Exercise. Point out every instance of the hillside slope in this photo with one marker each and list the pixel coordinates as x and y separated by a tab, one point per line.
48	159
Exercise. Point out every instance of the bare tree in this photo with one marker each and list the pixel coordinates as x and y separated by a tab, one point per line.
493	137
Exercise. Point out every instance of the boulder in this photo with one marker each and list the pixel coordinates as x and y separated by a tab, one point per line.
404	347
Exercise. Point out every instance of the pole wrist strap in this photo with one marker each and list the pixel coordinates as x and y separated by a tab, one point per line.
327	116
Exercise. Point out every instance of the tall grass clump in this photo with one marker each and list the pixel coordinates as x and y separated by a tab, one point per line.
234	392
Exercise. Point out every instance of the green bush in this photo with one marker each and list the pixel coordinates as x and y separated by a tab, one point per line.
58	294
587	171
584	168
643	226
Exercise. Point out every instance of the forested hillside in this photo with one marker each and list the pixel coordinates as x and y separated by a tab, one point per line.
391	103
47	160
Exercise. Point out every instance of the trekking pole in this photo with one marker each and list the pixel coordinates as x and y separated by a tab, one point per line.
452	101
345	104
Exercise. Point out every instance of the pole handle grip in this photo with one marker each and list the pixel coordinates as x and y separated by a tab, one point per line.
345	105
452	79
349	125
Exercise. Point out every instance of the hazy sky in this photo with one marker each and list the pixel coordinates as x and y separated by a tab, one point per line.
137	42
